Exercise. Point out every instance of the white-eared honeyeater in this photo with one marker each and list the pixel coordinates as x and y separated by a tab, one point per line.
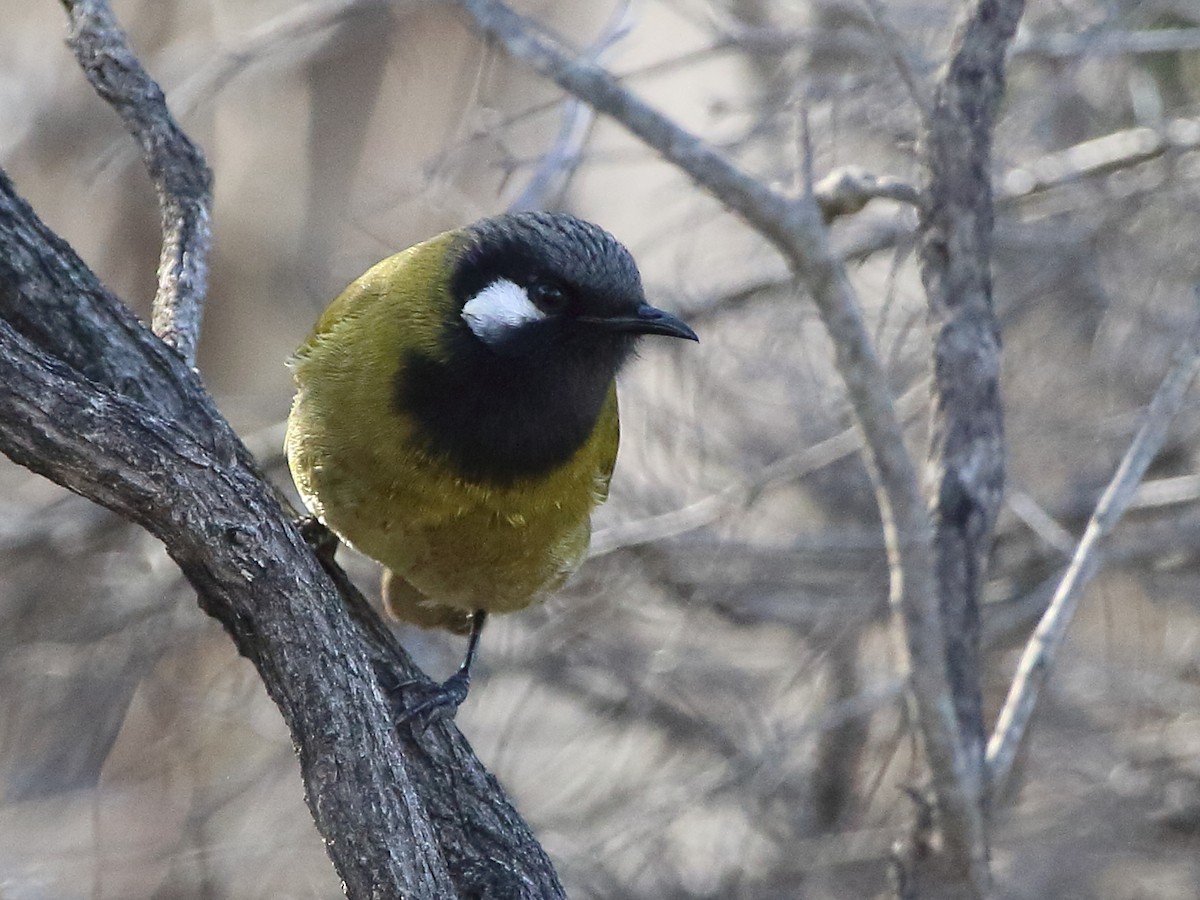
456	412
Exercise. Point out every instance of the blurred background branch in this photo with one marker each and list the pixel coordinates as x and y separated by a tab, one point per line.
1038	659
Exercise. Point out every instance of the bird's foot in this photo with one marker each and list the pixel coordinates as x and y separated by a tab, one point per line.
324	543
435	701
441	700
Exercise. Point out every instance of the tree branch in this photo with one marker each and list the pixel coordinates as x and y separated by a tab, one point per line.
177	167
966	452
52	298
215	520
1097	157
1067	45
965	468
1043	647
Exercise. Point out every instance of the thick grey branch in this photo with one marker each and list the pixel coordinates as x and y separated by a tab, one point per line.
966	453
54	300
176	165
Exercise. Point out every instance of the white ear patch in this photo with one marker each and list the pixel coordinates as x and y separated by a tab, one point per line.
499	308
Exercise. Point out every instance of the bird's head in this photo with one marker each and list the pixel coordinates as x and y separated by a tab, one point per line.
534	284
543	310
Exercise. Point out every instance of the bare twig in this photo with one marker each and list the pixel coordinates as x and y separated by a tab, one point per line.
742	493
557	166
795	227
1098	157
806	177
902	57
299	27
1044	525
176	165
1048	45
277	35
1043	647
1066	45
1167	492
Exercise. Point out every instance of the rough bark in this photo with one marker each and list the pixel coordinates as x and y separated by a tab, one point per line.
966	454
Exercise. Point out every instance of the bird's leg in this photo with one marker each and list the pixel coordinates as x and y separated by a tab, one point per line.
448	696
324	543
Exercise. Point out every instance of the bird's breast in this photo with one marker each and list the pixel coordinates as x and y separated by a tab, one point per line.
369	471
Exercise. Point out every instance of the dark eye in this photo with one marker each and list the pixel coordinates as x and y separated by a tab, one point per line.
549	298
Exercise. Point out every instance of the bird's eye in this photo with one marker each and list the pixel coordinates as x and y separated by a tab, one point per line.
549	298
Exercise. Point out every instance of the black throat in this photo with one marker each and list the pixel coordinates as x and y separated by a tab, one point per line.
500	419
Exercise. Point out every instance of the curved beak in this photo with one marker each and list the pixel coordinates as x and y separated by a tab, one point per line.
647	320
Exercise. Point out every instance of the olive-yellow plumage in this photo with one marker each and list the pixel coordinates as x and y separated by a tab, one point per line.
358	467
456	412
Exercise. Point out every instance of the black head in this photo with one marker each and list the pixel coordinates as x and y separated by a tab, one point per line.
546	309
535	283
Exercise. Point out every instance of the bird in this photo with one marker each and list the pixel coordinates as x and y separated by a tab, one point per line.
456	418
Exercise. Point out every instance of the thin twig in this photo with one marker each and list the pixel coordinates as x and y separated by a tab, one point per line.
805	176
1042	649
175	164
556	167
299	27
902	57
1097	157
274	37
743	493
1167	492
1068	45
1040	522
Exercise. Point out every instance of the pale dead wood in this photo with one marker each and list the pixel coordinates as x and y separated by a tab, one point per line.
1042	649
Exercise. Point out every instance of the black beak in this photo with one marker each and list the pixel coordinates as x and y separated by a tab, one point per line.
647	320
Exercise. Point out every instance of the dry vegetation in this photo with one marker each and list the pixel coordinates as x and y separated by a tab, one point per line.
713	708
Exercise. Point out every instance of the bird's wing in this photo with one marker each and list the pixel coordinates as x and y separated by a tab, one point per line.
412	282
348	302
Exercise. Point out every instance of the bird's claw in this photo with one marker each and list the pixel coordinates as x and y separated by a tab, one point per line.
441	700
324	543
